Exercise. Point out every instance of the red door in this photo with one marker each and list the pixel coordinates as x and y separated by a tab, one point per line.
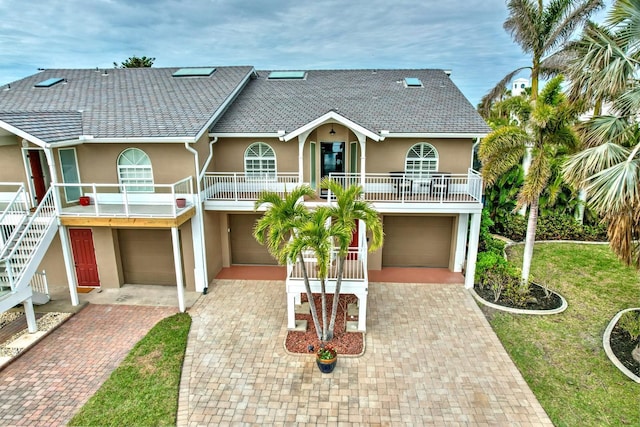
84	256
354	242
37	175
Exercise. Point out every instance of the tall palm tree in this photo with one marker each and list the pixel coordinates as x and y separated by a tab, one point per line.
609	167
317	235
548	131
350	207
541	30
277	227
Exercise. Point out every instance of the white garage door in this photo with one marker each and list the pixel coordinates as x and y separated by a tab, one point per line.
417	241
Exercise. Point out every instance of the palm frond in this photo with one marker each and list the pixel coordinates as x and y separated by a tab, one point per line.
501	150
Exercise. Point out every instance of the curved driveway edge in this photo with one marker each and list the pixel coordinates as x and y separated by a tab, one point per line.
50	382
432	359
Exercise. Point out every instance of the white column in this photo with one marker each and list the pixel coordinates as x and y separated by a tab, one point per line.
472	254
362	140
362	311
69	264
291	310
461	242
177	260
30	314
199	249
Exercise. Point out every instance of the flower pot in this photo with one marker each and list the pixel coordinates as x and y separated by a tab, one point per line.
85	200
181	202
326	365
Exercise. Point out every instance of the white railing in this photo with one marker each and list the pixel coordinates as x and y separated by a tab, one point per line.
238	186
400	187
354	267
39	282
116	200
13	215
15	263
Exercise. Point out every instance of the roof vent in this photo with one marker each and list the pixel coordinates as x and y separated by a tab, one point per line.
49	82
287	75
412	82
194	72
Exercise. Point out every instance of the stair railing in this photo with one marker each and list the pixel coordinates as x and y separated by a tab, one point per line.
12	217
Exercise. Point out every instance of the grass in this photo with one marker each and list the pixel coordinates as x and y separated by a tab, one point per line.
143	390
561	356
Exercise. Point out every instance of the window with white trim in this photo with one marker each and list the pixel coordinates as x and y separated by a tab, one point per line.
134	171
421	160
260	160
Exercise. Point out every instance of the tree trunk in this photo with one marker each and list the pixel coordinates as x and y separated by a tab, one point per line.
336	298
530	240
312	303
323	295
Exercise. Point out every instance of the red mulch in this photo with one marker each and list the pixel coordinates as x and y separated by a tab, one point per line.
344	342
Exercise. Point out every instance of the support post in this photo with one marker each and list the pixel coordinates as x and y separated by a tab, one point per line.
362	311
291	310
30	314
177	260
461	242
69	264
472	252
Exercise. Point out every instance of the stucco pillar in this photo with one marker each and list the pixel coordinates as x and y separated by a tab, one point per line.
362	140
177	260
30	314
472	252
69	264
461	242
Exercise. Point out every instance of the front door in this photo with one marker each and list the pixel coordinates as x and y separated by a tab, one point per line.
37	175
84	256
331	158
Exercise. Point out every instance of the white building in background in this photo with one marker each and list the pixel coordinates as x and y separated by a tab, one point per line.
519	86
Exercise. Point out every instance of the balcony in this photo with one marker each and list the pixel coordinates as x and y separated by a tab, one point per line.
116	205
437	191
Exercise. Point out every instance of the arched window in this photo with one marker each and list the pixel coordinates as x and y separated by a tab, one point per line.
134	170
260	160
422	159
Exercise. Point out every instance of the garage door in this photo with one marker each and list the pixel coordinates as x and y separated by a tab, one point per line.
147	257
414	241
244	248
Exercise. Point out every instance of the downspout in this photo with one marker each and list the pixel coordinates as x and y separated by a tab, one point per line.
199	208
473	151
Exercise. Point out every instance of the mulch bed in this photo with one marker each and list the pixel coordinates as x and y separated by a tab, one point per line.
536	291
622	346
349	343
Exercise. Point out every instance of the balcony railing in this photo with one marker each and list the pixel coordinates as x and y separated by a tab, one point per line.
400	187
355	267
238	186
393	187
117	200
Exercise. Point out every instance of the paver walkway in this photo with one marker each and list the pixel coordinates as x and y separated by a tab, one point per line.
48	384
431	359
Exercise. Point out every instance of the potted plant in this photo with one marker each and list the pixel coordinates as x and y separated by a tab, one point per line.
326	358
181	202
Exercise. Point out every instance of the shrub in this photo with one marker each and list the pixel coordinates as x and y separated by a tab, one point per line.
553	227
630	322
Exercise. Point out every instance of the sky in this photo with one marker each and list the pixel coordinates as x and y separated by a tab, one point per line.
464	36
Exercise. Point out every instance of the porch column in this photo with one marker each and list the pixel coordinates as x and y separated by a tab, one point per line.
30	314
461	242
302	138
362	311
69	264
362	140
199	248
472	253
177	260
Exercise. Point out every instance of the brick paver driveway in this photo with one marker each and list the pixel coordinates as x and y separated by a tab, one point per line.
431	359
48	384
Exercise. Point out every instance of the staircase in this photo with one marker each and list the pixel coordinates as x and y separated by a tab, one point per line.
24	246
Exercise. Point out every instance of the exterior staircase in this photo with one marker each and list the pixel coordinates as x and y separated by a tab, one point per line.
26	238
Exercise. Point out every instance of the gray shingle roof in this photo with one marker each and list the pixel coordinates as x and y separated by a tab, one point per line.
375	99
125	103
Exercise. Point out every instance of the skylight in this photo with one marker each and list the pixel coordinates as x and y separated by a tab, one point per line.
412	82
286	75
194	72
49	82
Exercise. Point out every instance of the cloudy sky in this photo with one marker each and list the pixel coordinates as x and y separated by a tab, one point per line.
465	36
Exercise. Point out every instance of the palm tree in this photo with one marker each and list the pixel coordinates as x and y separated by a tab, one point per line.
277	227
350	207
541	31
609	168
548	132
317	235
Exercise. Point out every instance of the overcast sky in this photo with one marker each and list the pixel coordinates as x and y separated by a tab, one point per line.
465	36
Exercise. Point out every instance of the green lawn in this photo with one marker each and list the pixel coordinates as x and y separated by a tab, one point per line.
143	390
561	356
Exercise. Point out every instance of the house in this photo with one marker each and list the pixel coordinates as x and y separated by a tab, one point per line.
93	161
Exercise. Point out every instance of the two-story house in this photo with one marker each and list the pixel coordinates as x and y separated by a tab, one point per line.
149	176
